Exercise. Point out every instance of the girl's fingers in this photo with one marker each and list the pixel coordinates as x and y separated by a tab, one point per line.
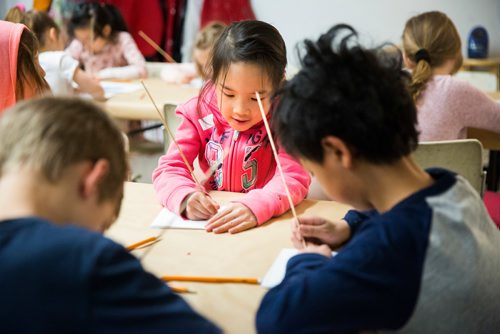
241	227
209	205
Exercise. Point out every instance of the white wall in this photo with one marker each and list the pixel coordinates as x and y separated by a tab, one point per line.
5	5
379	20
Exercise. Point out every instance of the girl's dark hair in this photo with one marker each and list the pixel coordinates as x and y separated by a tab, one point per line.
97	15
344	90
39	23
248	41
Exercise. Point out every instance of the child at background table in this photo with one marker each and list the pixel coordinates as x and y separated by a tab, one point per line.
249	56
61	183
187	72
423	255
102	43
446	105
21	76
61	70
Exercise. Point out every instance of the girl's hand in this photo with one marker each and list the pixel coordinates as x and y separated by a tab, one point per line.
320	231
234	218
200	206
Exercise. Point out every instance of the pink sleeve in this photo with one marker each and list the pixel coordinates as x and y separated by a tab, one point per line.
132	54
75	49
271	200
171	178
478	109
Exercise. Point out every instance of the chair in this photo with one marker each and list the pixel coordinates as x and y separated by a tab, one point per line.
463	156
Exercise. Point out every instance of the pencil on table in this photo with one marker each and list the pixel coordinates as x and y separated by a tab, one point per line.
141	243
156	47
180	289
202	279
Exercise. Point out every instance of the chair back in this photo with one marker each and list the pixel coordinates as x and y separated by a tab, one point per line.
463	156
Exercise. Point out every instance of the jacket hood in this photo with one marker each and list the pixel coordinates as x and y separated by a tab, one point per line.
10	36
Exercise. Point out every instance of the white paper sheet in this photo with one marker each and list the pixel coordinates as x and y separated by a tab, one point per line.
276	273
112	88
168	219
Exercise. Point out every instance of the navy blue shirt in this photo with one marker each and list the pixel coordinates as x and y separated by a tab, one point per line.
431	264
65	279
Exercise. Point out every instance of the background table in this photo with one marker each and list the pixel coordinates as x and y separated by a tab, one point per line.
137	105
196	252
490	64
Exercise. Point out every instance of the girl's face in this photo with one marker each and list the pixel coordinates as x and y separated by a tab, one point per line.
236	95
90	42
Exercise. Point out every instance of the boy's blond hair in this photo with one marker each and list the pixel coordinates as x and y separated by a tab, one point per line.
51	134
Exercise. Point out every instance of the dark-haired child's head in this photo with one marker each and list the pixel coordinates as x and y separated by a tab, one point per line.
355	95
249	56
47	137
96	24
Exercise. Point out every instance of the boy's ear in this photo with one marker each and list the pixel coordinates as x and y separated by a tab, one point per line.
53	35
408	63
93	177
334	147
106	31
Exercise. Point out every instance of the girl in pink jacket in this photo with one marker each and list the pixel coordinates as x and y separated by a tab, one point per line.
224	129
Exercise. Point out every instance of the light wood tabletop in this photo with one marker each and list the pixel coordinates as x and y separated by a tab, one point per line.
198	253
137	105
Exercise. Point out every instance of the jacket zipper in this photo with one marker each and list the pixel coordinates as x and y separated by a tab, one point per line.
229	169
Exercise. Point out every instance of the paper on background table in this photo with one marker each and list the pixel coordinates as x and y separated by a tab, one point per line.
168	219
276	273
112	88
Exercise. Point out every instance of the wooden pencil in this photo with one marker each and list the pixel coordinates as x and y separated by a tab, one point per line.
278	164
275	152
180	289
156	47
244	280
141	243
172	137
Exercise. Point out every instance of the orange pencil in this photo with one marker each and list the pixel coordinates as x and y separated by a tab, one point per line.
156	47
140	243
244	280
180	289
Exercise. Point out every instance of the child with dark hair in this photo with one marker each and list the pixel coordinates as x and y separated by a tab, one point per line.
421	255
223	127
102	43
62	170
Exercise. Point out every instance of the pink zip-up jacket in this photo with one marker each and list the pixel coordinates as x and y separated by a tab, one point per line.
249	166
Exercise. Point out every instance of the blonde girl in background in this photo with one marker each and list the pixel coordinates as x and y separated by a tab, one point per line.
446	105
192	72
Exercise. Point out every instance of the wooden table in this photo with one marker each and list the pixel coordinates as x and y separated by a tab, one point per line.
491	64
137	105
196	252
491	141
